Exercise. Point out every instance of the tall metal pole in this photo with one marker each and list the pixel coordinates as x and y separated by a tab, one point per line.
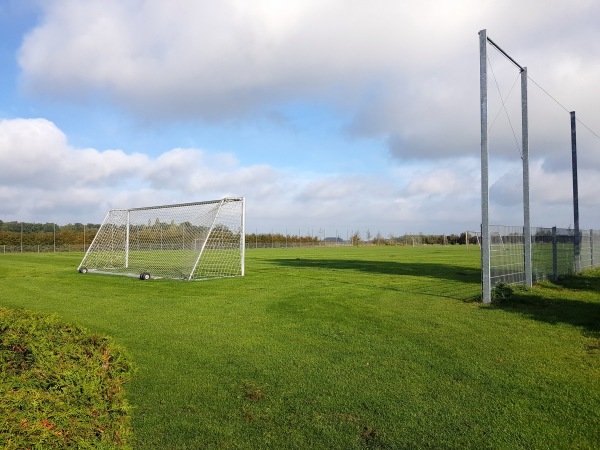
486	286
526	211
243	238
576	240
127	242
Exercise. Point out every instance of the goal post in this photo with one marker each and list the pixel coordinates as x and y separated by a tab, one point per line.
473	235
186	241
486	284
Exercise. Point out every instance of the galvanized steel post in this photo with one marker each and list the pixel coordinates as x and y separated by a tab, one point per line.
577	245
486	286
526	211
554	255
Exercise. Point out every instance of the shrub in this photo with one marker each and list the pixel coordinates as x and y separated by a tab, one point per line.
502	292
60	386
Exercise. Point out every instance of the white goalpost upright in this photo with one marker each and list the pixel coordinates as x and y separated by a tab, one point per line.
496	241
186	241
473	234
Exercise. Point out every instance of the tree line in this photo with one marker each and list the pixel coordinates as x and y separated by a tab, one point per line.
17	233
27	233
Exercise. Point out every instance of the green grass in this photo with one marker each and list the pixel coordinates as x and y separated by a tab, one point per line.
349	348
175	264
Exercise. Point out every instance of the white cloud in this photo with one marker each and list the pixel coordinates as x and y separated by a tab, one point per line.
35	153
42	175
439	181
407	71
43	178
551	196
52	181
192	171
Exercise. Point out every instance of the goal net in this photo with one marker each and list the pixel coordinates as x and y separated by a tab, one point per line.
187	241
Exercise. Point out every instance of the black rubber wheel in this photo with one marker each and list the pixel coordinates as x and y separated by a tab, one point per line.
144	276
83	270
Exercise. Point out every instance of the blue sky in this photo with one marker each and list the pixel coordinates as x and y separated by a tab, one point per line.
326	115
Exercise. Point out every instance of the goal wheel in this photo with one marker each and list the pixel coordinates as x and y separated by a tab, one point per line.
144	276
83	270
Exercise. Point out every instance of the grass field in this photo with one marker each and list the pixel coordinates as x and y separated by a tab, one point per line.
345	348
175	264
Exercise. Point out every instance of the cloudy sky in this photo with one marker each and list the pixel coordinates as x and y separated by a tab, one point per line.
335	115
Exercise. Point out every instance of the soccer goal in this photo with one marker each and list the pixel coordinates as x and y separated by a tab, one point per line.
496	242
188	241
473	237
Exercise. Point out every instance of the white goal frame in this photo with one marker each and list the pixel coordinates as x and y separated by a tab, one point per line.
476	235
187	241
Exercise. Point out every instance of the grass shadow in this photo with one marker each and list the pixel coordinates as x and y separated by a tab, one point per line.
556	310
558	302
415	269
586	281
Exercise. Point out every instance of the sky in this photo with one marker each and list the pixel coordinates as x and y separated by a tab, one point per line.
328	116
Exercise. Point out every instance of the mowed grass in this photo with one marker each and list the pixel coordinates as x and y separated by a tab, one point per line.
339	348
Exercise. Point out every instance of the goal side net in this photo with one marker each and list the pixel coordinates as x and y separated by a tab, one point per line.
188	241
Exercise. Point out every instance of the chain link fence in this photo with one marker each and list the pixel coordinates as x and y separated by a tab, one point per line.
46	248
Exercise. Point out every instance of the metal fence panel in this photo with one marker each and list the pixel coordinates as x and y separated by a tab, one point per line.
553	253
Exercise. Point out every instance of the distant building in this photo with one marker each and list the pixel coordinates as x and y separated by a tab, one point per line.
339	240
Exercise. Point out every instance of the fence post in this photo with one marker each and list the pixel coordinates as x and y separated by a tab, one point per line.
576	243
591	248
554	256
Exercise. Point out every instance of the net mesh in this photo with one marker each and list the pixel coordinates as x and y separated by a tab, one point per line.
189	241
